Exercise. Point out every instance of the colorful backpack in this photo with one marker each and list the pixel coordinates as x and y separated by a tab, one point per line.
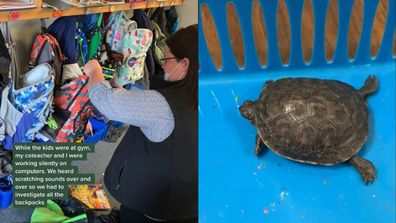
46	49
73	108
95	39
82	47
35	98
119	25
55	213
135	44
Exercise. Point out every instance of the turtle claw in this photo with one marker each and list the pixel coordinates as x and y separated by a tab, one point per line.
259	145
368	177
257	151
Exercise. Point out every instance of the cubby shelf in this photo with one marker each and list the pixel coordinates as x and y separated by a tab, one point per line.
39	12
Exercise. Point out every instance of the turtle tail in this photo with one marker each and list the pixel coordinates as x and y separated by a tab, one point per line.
370	86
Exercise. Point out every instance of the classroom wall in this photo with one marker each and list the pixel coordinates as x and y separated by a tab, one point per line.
188	13
23	33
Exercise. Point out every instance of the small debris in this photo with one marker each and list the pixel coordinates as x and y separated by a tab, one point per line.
273	206
283	194
265	211
374	196
259	167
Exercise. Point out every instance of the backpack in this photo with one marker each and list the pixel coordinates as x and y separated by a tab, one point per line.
119	25
95	39
46	49
57	211
26	110
35	97
143	21
159	44
64	30
87	23
82	47
72	109
135	45
172	18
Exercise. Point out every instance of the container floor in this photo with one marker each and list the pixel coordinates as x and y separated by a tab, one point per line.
237	186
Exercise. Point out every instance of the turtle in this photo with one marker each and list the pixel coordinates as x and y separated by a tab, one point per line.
314	121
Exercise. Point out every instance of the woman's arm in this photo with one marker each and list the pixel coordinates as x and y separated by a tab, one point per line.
146	109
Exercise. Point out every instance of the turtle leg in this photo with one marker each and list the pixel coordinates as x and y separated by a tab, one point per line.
259	145
370	86
365	168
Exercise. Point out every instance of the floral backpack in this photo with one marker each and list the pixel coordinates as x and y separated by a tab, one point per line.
135	44
118	26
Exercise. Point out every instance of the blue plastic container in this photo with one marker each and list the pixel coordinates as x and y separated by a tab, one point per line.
100	130
237	186
6	191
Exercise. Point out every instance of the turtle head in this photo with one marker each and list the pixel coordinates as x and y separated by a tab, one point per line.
248	110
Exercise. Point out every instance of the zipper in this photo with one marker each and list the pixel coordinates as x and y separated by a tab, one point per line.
119	174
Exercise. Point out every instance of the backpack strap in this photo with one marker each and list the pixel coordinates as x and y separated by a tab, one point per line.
38	46
43	26
58	59
99	22
55	46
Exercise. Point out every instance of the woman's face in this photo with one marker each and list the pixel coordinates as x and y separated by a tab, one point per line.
175	69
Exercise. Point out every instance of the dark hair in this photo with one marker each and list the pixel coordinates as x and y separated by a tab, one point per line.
184	44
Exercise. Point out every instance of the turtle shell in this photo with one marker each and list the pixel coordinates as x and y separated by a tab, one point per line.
311	120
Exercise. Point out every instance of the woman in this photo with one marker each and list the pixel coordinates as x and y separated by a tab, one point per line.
153	172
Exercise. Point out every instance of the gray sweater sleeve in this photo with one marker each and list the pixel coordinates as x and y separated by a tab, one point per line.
146	109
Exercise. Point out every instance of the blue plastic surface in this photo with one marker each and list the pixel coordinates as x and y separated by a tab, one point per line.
6	191
237	186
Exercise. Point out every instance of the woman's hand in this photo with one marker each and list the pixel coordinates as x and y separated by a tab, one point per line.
94	71
113	82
